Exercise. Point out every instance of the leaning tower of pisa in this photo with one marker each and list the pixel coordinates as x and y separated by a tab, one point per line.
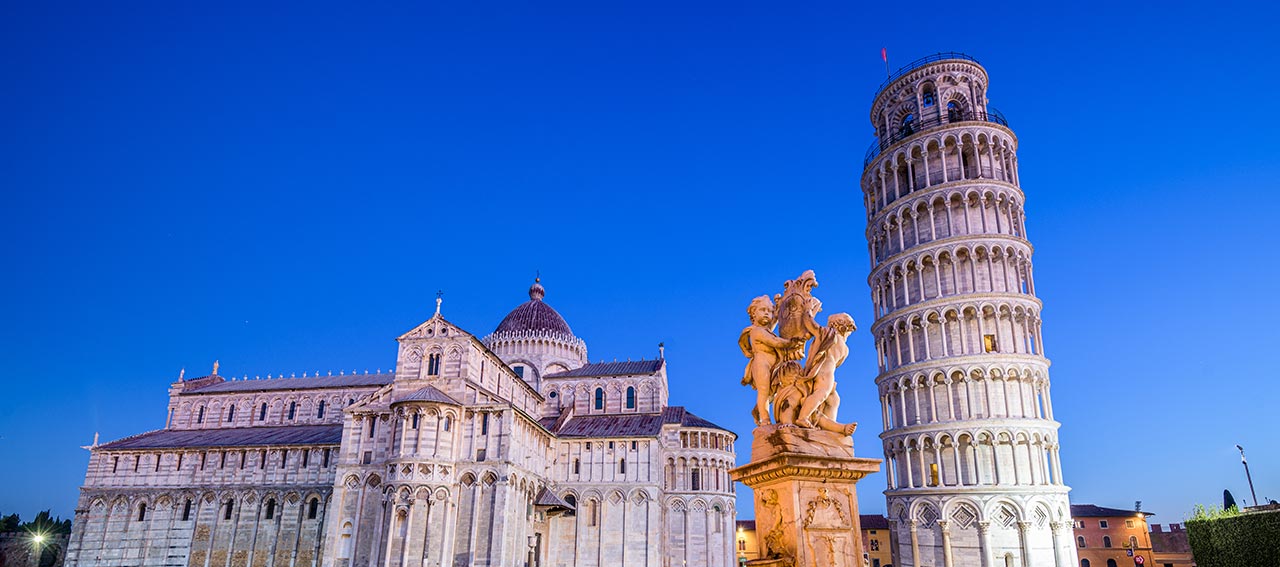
969	437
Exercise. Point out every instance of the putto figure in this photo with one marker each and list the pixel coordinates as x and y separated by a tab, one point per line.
801	393
765	350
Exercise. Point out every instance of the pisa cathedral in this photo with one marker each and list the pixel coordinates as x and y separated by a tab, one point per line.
970	443
507	450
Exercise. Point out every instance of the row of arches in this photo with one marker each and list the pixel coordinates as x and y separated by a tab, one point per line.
287	524
951	271
1000	531
264	409
697	474
948	213
614	395
961	330
259	464
955	154
965	394
970	459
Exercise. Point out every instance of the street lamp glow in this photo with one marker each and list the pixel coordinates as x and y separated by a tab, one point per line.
38	538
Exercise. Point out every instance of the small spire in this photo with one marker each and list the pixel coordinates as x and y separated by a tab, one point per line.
95	438
215	368
439	300
181	374
662	351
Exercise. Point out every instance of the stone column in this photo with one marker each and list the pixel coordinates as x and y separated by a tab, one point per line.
984	543
1025	542
915	544
945	526
1055	528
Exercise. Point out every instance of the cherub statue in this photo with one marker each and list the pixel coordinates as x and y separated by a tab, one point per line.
828	353
765	350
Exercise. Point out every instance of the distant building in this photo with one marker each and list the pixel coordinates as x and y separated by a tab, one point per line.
1111	537
875	540
1171	548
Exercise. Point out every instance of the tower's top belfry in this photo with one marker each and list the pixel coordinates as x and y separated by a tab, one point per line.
928	93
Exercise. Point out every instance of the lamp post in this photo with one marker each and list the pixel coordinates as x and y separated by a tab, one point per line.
1247	475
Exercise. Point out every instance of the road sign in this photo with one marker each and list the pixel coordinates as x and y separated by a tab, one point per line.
1130	551
1139	560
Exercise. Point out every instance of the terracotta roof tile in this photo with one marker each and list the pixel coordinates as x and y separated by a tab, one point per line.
231	437
611	369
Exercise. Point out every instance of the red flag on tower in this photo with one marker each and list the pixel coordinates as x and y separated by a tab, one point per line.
884	54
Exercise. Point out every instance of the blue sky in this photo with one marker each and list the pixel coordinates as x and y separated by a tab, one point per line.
284	188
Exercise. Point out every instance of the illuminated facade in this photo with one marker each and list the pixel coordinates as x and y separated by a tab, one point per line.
510	450
970	443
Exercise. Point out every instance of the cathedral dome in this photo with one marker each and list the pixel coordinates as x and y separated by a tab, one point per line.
534	316
536	337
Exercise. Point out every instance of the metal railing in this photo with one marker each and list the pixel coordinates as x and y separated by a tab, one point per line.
917	126
909	67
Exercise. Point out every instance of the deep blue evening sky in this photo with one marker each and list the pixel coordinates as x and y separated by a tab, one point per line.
285	189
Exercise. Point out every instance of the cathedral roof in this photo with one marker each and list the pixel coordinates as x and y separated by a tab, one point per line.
626	425
353	380
629	367
231	437
429	394
533	316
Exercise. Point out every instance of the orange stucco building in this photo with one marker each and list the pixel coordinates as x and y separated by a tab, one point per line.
1112	537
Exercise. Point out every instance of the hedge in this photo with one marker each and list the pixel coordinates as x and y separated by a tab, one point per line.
1243	540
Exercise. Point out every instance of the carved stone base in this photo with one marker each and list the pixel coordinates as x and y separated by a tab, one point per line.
770	440
806	505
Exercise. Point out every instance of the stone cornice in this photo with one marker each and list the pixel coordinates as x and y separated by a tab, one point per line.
807	467
936	189
974	425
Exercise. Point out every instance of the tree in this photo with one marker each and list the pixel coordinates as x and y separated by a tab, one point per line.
1227	501
10	523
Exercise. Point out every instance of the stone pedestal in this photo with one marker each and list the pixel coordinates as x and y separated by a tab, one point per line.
806	501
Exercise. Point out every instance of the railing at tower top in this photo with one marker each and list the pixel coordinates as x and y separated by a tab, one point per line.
917	126
909	67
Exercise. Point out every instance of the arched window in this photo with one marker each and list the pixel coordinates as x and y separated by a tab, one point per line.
448	422
572	501
954	113
1111	563
262	412
293	409
320	411
433	364
313	508
599	398
695	480
142	512
415	420
1106	541
186	511
908	124
200	416
227	515
631	397
929	98
1133	542
1080	541
1084	562
271	509
577	466
231	414
622	466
